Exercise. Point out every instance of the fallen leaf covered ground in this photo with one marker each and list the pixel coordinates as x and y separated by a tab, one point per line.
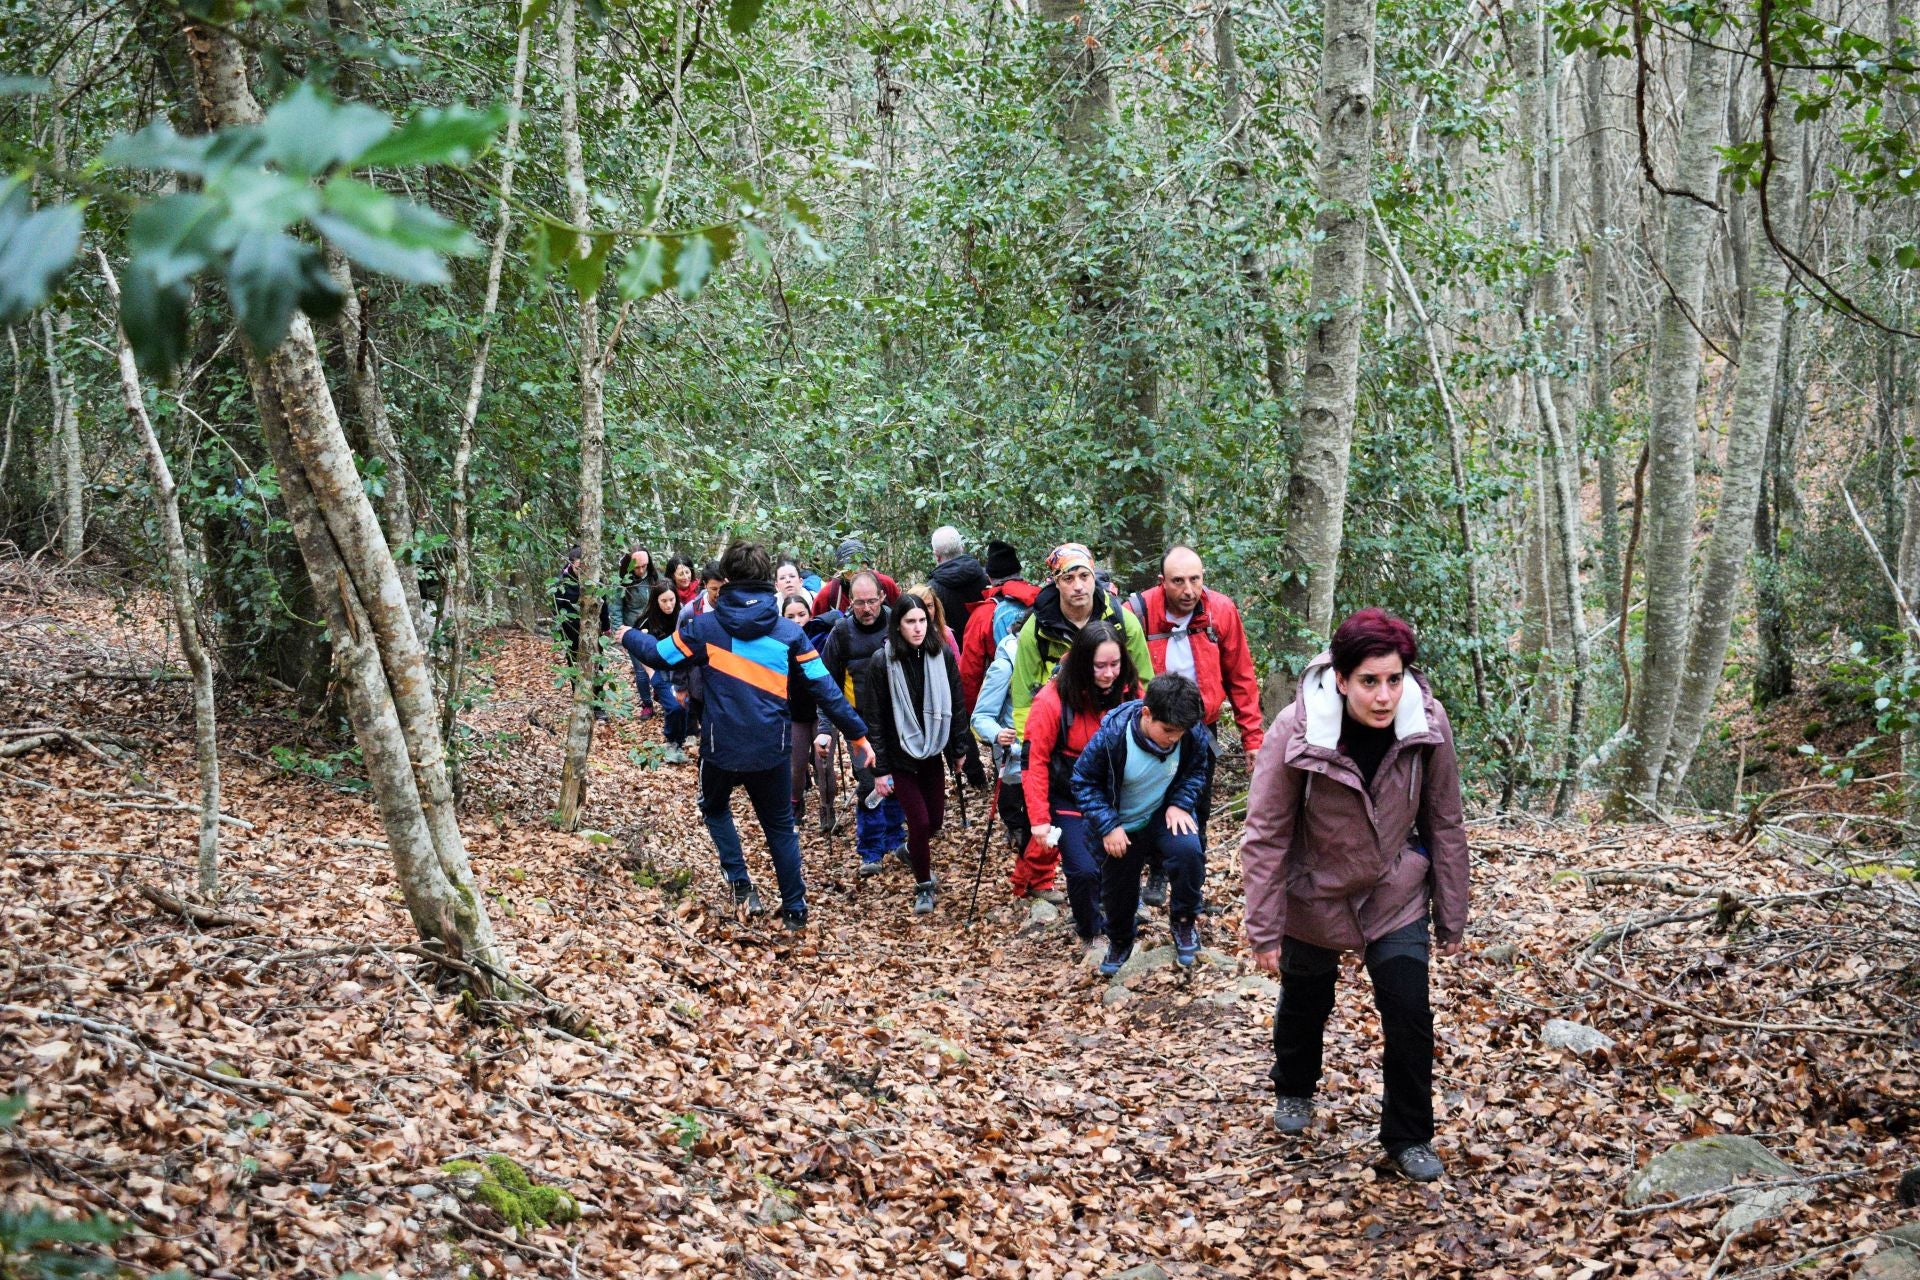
278	1094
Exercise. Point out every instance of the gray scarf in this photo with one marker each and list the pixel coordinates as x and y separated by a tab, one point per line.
923	731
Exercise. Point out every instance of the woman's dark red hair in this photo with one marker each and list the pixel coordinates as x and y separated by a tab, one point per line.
1371	633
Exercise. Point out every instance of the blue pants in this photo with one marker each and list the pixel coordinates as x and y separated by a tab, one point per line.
642	681
767	790
1079	859
1185	860
673	716
880	830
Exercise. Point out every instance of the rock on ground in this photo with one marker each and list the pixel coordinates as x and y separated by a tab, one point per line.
1705	1164
1561	1034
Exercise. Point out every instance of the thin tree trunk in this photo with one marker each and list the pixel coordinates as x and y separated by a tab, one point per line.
1673	397
13	406
1599	328
460	591
1456	458
370	398
166	501
593	434
1753	397
66	403
1253	268
357	586
1317	490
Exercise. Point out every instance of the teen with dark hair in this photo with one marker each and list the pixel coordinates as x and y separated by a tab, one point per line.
1355	840
912	701
745	648
659	620
1139	783
1096	676
637	580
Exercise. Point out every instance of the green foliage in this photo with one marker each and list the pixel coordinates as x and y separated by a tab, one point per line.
36	249
37	1245
343	769
503	1186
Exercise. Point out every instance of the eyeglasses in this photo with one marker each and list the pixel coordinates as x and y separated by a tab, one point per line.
865	601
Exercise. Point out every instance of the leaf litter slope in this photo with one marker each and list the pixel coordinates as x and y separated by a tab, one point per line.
277	1095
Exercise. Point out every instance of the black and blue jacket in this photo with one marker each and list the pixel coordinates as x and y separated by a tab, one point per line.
746	648
1103	764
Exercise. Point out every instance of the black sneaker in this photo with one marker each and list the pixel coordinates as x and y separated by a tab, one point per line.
795	918
746	899
1156	892
1292	1115
1418	1162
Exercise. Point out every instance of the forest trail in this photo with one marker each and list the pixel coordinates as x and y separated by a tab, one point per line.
275	1090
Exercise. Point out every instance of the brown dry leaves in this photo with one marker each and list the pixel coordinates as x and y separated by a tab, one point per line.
933	1100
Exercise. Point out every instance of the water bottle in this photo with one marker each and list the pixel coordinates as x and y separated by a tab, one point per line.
870	797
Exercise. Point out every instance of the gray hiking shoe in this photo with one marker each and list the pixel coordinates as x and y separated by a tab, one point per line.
873	868
1418	1162
746	899
1156	892
1292	1115
923	898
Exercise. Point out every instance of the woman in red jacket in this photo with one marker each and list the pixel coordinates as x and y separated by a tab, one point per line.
1096	676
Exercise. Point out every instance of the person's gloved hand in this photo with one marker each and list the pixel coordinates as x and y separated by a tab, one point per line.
976	776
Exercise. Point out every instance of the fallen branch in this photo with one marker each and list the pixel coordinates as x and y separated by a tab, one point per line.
1736	1024
532	1250
227	818
205	917
128	1038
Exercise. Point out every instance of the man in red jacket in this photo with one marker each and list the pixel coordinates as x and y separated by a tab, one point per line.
1198	633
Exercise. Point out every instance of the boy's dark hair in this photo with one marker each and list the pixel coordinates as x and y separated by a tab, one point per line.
1174	699
716	570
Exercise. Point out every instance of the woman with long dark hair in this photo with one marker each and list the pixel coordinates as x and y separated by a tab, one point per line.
915	722
637	578
669	684
1096	676
809	766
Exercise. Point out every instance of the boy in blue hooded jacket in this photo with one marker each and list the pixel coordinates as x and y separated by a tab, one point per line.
1139	783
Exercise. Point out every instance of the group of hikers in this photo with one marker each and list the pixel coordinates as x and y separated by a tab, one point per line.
1094	714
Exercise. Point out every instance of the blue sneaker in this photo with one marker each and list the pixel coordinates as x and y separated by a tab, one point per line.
1186	943
1115	959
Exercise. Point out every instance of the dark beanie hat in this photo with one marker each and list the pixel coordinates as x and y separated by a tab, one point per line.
1003	561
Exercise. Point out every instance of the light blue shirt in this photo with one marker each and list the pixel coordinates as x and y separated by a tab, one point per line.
1144	784
993	710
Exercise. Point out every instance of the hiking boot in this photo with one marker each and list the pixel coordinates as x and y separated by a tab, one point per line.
829	820
1115	958
906	860
746	899
1048	895
674	755
646	713
1418	1162
1186	943
795	918
923	898
872	868
1156	892
1292	1115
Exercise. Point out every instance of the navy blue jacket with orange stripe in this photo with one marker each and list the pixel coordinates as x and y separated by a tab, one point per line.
746	646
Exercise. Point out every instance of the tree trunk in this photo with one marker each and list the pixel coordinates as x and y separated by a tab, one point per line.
1317	491
370	399
1126	395
593	436
1673	393
66	403
1753	399
1599	327
1253	268
1776	524
357	586
166	501
460	592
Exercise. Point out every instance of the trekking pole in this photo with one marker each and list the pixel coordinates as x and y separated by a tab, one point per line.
960	789
986	838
